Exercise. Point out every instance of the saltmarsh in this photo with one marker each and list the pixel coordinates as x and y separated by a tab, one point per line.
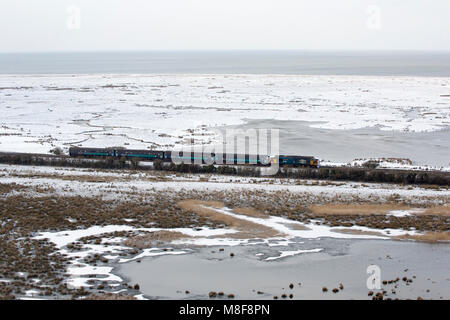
35	201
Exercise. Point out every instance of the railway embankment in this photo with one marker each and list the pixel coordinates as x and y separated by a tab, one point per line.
358	174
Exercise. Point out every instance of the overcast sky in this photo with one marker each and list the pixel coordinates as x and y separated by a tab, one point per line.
54	25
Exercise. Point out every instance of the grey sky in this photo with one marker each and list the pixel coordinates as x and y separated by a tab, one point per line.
41	25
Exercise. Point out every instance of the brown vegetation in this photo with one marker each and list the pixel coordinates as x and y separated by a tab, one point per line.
9	187
153	238
250	212
335	173
246	228
23	216
438	210
110	296
427	237
356	209
23	213
359	232
295	226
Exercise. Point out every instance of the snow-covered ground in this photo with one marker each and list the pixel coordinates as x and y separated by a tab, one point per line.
140	111
383	163
81	273
290	239
69	182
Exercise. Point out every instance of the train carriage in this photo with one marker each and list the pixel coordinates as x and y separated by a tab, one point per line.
91	152
213	158
141	154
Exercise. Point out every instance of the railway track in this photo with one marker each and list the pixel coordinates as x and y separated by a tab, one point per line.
44	156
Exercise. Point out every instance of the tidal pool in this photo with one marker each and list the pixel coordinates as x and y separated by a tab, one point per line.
248	275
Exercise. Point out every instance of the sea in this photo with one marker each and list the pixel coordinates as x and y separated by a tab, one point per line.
431	148
377	63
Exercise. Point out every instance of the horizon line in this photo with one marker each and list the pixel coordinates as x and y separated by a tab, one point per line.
229	50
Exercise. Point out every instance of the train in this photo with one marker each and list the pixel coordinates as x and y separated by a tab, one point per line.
193	157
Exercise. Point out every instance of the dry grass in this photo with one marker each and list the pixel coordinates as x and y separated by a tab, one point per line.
356	209
200	208
246	228
67	177
9	187
438	210
24	216
6	188
150	239
110	296
250	212
27	213
359	232
295	226
91	178
427	237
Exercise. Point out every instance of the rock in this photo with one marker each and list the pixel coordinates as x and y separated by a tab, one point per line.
378	296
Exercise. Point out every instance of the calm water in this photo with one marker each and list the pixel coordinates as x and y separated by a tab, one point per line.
232	62
296	137
341	261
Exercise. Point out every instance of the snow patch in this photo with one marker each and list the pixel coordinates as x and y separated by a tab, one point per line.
284	254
